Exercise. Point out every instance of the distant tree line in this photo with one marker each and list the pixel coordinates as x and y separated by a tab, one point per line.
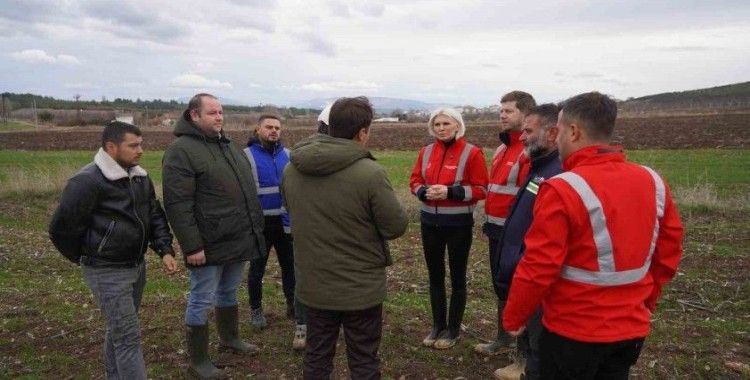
18	101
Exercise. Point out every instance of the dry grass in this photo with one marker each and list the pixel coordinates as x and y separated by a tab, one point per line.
706	194
21	181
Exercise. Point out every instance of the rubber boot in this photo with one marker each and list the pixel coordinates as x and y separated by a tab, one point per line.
502	343
227	322
200	365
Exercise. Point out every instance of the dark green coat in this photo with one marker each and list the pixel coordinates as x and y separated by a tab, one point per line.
342	210
210	197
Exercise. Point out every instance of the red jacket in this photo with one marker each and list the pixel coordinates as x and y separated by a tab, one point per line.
461	167
603	289
509	170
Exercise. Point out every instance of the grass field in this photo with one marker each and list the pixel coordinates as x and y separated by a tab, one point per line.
13	125
51	328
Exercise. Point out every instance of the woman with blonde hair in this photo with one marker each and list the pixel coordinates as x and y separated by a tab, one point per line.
449	177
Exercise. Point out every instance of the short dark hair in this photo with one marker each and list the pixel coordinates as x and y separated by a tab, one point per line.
268	116
595	111
196	101
547	111
115	132
348	116
524	100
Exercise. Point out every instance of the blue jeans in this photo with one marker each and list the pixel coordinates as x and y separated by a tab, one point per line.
118	292
212	285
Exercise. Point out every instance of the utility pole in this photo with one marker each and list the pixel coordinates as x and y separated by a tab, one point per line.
36	117
5	115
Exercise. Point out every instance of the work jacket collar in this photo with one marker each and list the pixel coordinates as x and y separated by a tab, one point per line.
593	155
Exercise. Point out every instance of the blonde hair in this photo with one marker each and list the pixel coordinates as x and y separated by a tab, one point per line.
453	114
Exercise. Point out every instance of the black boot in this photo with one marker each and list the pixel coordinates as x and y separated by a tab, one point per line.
502	343
227	322
200	365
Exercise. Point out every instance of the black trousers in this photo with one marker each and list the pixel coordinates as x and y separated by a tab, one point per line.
282	243
435	240
362	332
563	358
528	344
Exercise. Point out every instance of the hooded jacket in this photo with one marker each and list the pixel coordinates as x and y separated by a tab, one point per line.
343	210
210	197
107	216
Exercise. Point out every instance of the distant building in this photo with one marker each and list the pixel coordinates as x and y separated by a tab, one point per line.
125	118
386	120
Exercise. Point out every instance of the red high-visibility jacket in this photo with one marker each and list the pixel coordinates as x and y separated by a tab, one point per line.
605	239
506	175
461	167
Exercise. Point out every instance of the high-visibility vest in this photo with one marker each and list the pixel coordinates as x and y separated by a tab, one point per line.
504	182
608	275
270	165
435	165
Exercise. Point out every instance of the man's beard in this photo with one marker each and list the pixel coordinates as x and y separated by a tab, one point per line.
535	150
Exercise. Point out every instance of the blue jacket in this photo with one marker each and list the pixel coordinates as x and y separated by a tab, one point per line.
268	168
519	219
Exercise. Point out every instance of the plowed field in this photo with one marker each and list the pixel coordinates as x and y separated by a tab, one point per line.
669	132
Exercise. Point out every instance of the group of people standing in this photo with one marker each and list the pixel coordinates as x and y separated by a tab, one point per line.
581	241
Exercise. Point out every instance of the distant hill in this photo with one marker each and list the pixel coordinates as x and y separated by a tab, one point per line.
379	103
733	97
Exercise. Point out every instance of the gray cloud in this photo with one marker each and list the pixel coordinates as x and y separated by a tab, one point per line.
126	20
594	17
684	48
317	44
30	10
255	3
586	75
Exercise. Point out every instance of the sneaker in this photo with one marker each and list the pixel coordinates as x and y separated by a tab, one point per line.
514	371
300	337
429	340
257	319
446	340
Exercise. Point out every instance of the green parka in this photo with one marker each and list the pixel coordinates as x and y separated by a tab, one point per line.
210	197
342	210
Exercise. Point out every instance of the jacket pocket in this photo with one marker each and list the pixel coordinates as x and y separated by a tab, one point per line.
107	234
223	228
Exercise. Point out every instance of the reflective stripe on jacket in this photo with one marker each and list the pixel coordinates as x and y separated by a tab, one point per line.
268	169
461	167
506	176
605	239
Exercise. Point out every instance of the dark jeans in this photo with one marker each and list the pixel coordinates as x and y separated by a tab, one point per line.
362	331
118	292
282	242
435	240
563	358
528	344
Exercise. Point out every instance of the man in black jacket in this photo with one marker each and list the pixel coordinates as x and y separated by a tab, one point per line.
108	213
538	137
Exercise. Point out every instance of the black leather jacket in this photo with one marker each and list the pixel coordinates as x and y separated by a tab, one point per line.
103	222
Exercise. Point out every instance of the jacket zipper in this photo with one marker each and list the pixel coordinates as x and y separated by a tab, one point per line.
440	169
110	228
135	211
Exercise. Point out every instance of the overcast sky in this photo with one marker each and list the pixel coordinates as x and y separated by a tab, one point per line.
284	52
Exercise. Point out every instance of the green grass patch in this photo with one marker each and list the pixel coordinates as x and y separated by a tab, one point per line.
13	126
